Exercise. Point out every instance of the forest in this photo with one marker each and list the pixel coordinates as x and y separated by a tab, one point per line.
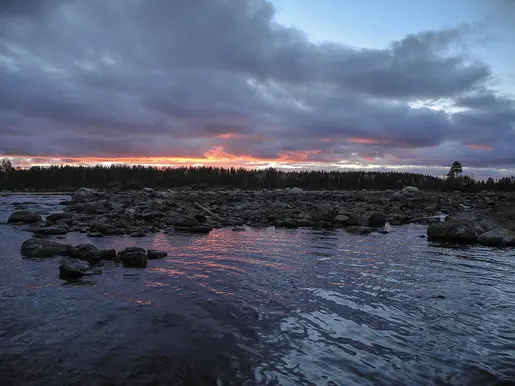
124	177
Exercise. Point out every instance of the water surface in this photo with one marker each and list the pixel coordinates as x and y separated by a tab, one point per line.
265	306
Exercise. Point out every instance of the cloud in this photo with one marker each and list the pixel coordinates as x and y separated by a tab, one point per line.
198	79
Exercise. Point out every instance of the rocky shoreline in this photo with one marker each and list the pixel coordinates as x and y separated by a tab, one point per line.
487	218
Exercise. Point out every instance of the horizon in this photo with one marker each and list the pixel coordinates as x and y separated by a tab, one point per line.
255	84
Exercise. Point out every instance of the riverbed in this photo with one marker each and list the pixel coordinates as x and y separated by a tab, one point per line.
263	306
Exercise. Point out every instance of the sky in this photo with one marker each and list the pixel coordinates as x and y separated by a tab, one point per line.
311	84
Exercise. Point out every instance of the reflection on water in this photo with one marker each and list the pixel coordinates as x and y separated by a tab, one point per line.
264	306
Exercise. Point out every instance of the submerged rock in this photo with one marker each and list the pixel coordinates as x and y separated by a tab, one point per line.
498	237
53	230
44	248
24	217
153	254
458	230
133	257
59	217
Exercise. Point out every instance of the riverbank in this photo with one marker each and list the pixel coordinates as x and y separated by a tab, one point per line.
140	212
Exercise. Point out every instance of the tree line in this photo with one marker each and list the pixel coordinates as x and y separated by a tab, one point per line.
64	178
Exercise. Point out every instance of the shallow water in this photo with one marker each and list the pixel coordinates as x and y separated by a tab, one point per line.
265	306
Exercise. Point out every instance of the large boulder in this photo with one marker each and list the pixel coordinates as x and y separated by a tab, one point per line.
376	220
24	217
133	257
320	212
498	237
87	252
43	248
457	230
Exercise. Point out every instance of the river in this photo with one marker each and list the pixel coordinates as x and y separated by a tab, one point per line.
260	307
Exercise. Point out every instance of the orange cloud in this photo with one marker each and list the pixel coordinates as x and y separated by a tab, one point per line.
366	141
326	140
477	146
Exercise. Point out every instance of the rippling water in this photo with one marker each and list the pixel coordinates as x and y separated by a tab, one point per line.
264	306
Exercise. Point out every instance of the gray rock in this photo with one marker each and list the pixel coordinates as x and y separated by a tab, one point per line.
53	230
87	252
108	254
341	219
376	220
24	217
458	230
134	257
43	248
70	268
200	229
148	190
359	230
296	191
153	254
83	194
410	189
499	237
59	217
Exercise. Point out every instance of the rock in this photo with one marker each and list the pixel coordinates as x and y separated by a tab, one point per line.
43	248
24	217
153	254
95	234
59	217
296	191
458	230
320	212
53	230
200	229
148	190
87	252
108	254
341	219
187	222
355	220
70	268
498	237
376	220
133	257
138	234
83	194
410	189
359	230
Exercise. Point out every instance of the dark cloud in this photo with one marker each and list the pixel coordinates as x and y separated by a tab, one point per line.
128	78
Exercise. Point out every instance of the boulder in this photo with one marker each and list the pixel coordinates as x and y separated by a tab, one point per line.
498	237
376	220
108	254
83	194
59	217
320	212
24	217
87	252
341	219
153	254
43	248
200	229
410	189
70	268
53	230
457	230
359	230
148	190
296	191
133	257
